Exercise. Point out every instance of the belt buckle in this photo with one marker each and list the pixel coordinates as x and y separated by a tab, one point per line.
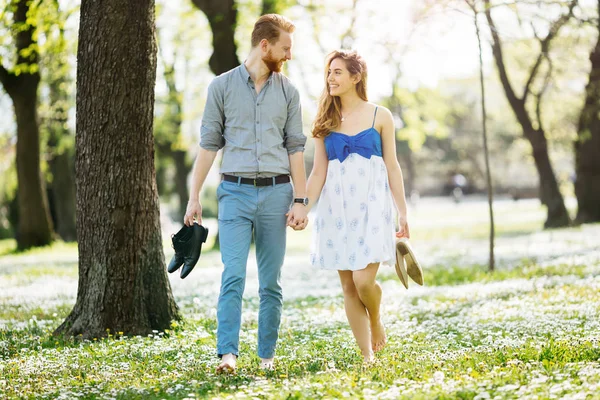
254	182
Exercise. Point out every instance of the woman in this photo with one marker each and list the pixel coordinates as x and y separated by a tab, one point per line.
354	177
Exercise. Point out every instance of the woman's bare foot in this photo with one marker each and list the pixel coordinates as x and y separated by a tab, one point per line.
267	363
368	358
227	364
378	339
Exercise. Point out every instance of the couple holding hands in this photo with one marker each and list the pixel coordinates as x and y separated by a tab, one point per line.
253	113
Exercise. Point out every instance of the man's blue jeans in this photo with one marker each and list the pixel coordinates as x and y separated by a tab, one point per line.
243	209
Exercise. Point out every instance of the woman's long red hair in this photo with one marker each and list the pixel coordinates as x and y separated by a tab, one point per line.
329	112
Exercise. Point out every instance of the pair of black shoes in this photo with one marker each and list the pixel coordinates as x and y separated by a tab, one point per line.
187	244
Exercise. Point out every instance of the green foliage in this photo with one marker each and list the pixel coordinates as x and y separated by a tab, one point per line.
425	113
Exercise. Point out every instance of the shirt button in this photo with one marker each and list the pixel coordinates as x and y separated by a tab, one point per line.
256	122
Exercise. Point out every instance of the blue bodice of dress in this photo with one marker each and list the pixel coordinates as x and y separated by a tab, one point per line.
366	143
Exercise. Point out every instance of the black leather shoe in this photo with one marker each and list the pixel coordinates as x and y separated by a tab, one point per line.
180	240
187	244
191	257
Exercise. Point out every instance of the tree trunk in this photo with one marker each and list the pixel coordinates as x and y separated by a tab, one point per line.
63	195
486	153
222	17
550	195
182	170
549	191
35	225
123	285
587	145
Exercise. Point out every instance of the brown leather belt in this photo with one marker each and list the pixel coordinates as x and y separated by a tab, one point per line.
258	181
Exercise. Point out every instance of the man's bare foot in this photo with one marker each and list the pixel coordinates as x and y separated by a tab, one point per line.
378	339
267	363
227	364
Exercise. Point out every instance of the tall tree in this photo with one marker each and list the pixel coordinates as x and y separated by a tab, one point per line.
123	286
21	82
222	17
491	262
533	129
587	145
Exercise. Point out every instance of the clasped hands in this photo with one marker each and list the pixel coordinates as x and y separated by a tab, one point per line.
297	217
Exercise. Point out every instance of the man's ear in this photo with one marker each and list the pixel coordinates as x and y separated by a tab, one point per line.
264	43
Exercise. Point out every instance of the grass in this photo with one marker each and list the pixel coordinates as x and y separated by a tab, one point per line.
530	330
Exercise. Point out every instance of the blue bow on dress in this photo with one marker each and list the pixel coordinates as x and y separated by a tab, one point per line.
366	143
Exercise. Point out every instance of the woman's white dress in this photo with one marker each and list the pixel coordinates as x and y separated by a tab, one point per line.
354	223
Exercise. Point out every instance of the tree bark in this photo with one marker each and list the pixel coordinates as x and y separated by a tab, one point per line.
587	145
35	226
550	195
222	17
123	285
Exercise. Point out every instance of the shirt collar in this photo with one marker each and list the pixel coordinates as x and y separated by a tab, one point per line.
246	74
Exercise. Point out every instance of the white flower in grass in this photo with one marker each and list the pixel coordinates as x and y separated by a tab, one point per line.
438	376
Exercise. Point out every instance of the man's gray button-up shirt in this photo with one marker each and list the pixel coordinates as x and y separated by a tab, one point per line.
257	131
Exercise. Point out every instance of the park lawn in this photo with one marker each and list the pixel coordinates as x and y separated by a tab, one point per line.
531	329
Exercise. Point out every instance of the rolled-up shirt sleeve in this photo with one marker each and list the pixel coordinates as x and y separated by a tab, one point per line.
294	137
213	118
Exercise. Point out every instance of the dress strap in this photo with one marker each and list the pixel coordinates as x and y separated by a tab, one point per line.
374	116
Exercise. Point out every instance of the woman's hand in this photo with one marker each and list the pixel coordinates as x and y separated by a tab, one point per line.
403	231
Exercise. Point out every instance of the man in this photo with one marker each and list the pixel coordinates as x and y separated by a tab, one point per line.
253	113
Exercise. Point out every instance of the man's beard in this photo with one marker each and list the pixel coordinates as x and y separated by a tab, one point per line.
273	64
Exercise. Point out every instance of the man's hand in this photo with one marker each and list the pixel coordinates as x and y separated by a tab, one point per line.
193	210
402	227
297	218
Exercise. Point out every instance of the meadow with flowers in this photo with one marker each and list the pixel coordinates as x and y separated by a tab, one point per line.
530	330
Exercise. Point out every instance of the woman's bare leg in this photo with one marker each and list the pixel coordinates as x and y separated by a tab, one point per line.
369	293
357	315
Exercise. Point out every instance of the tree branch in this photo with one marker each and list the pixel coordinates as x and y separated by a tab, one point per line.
4	76
545	46
538	95
499	57
348	36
